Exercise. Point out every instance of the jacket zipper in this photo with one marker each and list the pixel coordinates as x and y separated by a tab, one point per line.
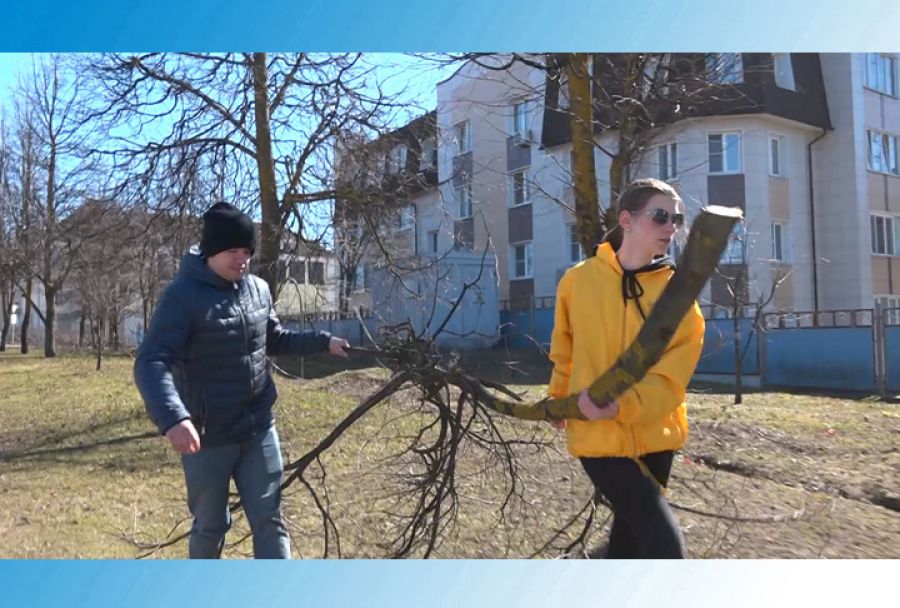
634	449
204	413
246	350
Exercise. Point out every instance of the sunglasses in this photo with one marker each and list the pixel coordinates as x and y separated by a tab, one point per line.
661	217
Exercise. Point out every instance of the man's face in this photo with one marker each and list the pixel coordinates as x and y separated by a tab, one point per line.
230	264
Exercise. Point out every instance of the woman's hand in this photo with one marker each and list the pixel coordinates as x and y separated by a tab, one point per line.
592	411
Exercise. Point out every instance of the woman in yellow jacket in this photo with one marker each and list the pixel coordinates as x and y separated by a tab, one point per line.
600	307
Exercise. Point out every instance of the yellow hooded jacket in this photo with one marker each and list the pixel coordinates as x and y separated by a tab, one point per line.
594	324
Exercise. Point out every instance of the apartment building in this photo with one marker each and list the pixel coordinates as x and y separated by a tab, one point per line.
805	144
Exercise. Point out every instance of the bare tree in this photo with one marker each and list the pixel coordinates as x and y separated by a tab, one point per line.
105	269
378	180
24	189
744	303
49	99
8	268
262	124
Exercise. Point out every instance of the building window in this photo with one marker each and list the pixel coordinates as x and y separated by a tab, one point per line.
576	253
520	192
724	68
563	102
297	271
406	217
462	138
463	192
734	252
432	241
882	234
725	152
521	260
520	120
776	148
890	305
784	71
427	155
780	246
293	271
397	159
667	160
881	73
316	273
882	152
360	279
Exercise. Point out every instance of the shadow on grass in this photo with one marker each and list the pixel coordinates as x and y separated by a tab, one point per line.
31	453
95	442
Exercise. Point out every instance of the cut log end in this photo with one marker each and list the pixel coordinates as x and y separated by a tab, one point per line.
722	211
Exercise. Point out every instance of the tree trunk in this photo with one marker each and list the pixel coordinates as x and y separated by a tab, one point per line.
617	178
620	163
81	331
50	288
91	324
27	168
50	323
26	318
6	304
268	195
145	309
587	202
620	168
738	379
736	316
616	185
707	241
114	326
98	339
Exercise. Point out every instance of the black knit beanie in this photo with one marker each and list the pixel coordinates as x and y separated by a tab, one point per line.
225	227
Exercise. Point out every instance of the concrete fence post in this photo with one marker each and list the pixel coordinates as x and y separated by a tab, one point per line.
879	349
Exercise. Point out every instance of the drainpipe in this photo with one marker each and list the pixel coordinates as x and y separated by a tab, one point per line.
812	223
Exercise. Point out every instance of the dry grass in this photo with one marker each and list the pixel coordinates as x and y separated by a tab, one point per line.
77	473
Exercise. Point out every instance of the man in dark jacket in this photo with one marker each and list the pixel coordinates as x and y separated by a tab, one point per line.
202	372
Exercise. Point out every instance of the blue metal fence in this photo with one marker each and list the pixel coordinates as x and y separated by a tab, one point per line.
718	356
824	357
832	350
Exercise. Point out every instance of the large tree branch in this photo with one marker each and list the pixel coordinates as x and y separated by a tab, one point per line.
288	81
34	306
709	236
182	85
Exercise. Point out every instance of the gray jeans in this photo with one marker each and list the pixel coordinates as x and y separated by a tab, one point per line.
257	470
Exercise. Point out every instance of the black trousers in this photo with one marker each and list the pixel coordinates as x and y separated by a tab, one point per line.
643	524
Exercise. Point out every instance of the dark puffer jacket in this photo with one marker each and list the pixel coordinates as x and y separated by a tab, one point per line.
204	355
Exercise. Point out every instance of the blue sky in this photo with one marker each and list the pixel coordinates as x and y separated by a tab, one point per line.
415	78
9	64
395	70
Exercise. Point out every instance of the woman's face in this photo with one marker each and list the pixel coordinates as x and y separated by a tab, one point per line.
652	228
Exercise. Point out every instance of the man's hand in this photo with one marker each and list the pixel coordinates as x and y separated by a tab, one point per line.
183	437
337	347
